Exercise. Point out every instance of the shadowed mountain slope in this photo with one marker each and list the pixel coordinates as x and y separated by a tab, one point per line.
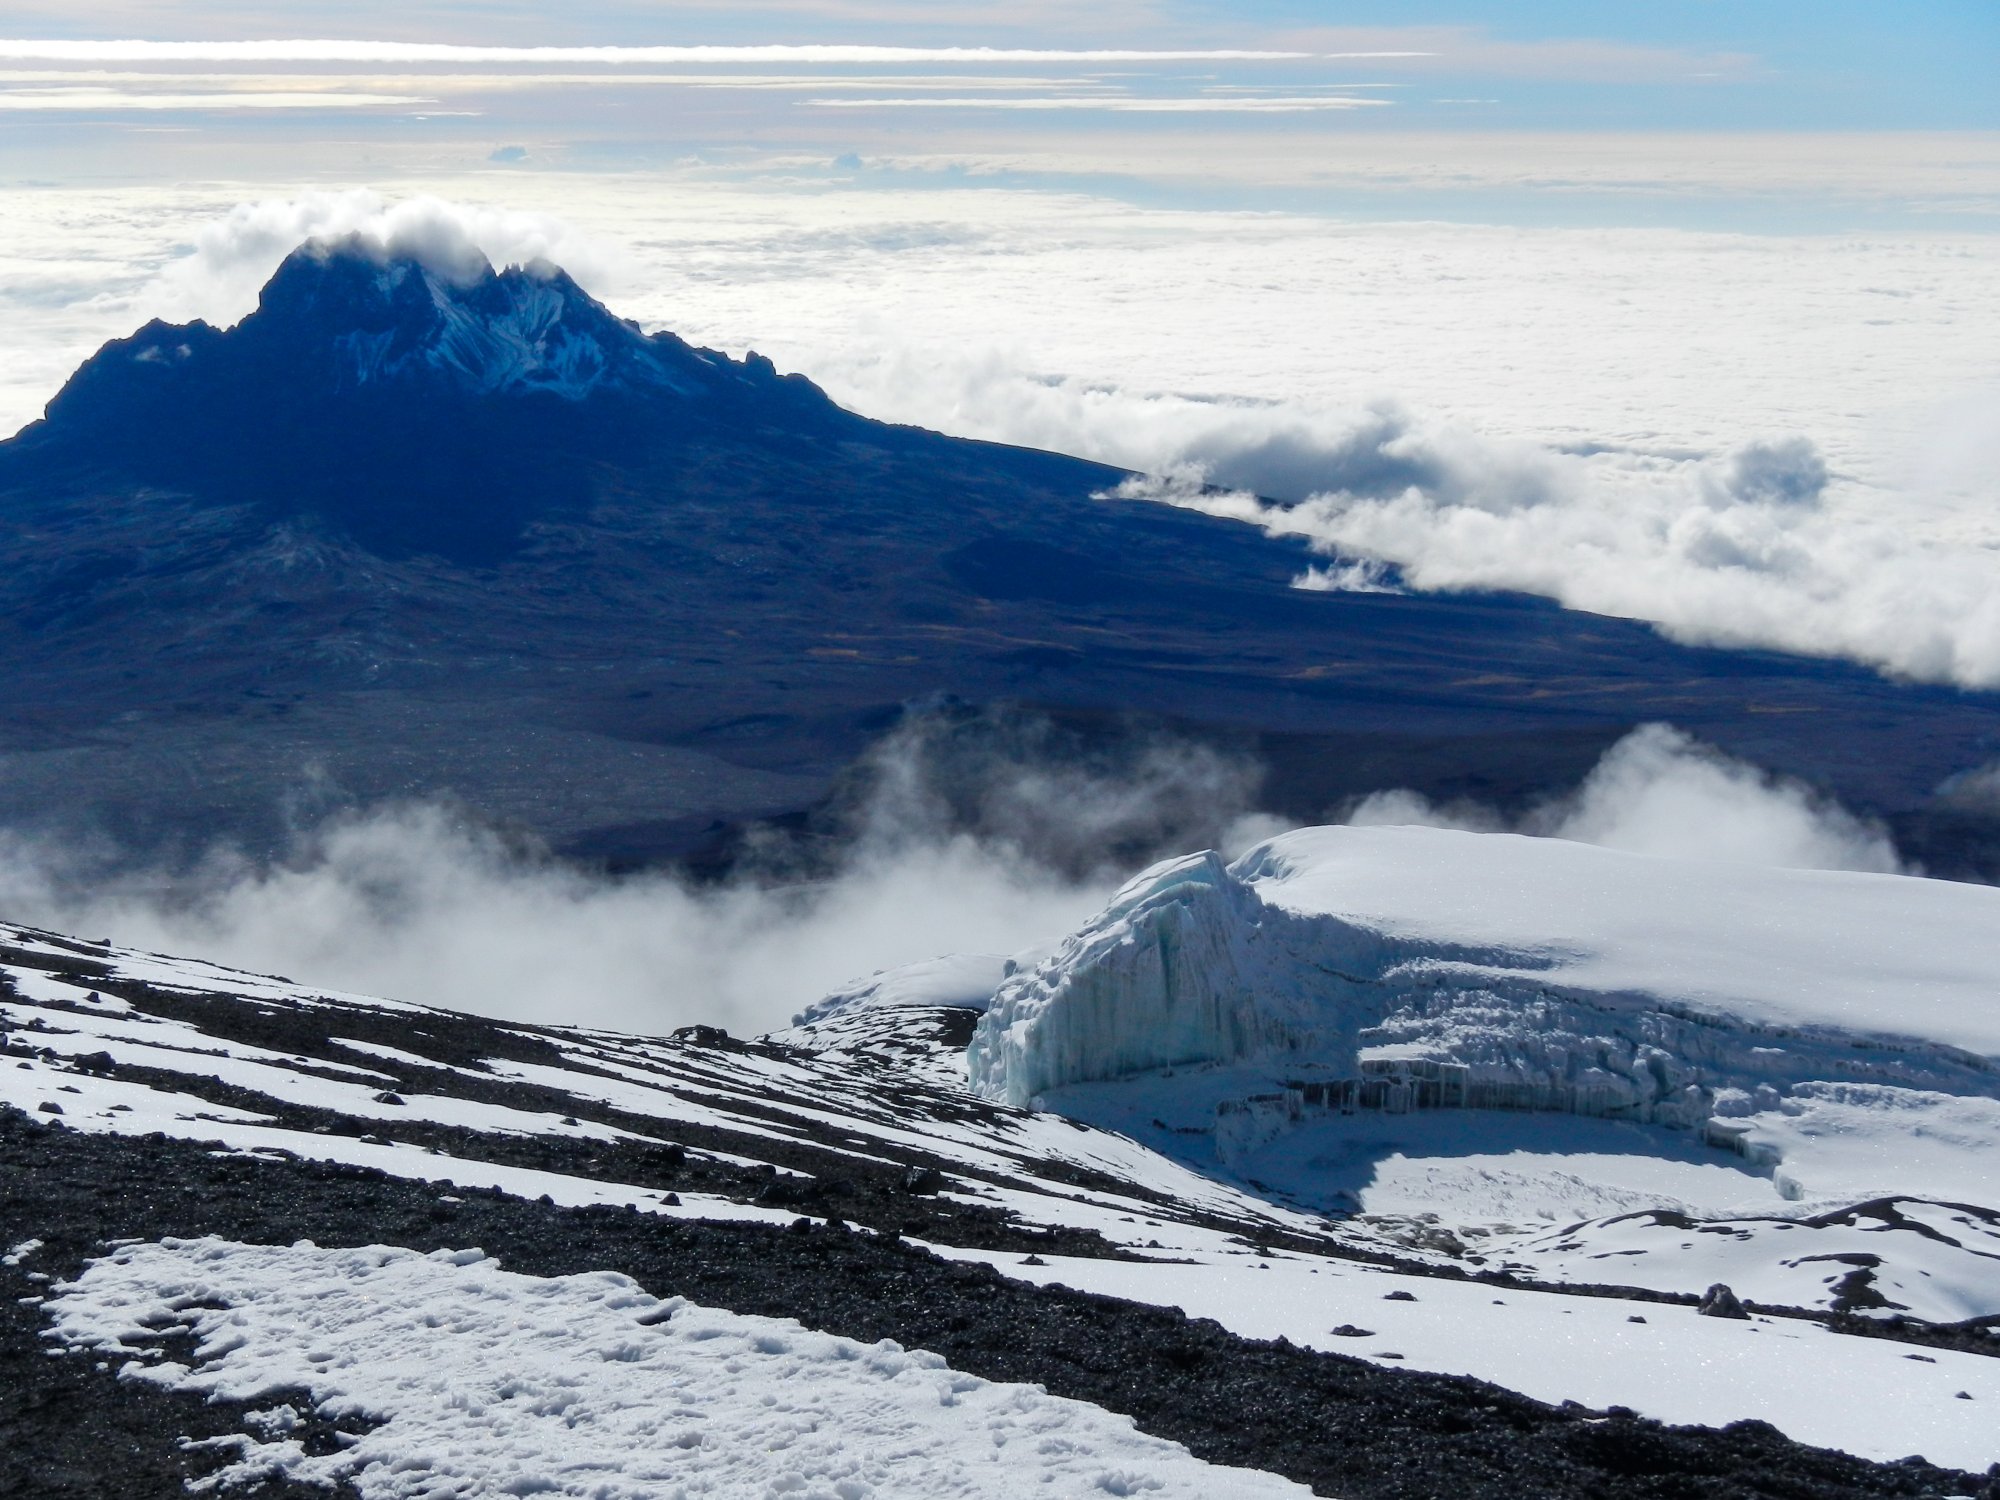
433	529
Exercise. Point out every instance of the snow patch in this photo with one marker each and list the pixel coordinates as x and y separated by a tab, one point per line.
959	981
1887	1256
517	332
481	1381
1858	1395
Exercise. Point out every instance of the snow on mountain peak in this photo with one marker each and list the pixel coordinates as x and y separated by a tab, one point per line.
429	312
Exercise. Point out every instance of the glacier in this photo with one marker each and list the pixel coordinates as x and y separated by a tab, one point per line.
1814	1023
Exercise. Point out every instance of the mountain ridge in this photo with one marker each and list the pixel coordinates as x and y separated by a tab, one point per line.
363	374
226	569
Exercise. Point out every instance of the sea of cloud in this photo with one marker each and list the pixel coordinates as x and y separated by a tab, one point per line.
1756	547
1749	441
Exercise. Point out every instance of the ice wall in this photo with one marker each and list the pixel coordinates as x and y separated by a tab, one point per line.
1187	964
1198	962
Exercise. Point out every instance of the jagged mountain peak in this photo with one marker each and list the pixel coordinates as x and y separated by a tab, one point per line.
352	316
380	315
413	396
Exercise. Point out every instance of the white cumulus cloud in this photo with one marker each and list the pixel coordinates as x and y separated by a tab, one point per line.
1754	548
1660	791
231	257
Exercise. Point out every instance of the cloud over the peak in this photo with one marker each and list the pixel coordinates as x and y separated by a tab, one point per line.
232	256
439	242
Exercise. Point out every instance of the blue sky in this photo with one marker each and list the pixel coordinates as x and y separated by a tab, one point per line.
1670	65
1789	116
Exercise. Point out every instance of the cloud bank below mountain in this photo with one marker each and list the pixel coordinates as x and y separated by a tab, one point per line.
1431	409
1757	548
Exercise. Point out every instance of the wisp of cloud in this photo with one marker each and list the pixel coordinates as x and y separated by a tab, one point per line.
967	833
1660	791
414	902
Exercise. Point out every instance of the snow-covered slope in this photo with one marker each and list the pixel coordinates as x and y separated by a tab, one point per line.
862	1116
525	340
380	319
470	1378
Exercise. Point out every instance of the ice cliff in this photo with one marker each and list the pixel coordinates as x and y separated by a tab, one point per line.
1187	964
1403	968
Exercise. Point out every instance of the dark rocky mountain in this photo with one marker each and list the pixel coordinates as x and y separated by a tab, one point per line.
419	530
409	411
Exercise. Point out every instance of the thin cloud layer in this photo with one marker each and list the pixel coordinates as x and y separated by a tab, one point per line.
1119	104
367	51
97	100
1461	51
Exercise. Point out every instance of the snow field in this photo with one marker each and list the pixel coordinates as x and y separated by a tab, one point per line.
172	1047
1852	1139
1872	1397
486	1382
111	1106
1934	1261
1871	955
188	975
